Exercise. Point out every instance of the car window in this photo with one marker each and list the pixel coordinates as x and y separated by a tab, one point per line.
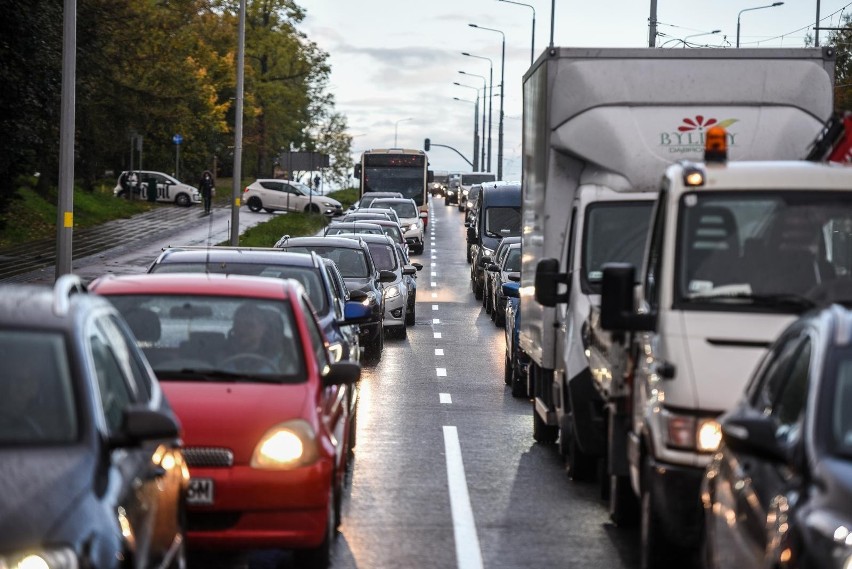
113	385
318	343
503	221
352	263
776	370
383	256
37	404
274	186
512	261
789	403
142	385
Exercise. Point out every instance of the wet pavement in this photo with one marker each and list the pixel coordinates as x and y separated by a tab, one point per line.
123	246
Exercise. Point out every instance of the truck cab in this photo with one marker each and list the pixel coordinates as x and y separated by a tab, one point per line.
735	252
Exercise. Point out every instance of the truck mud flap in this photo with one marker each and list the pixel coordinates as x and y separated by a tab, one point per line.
587	412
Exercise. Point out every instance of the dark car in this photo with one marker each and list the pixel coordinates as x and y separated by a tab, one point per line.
89	447
360	227
364	280
778	493
498	215
310	271
516	361
508	261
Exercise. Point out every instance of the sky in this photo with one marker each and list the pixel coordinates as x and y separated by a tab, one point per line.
394	62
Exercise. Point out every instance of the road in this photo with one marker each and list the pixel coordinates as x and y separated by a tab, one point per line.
446	472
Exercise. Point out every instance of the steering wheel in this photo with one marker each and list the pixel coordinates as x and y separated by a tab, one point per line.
250	362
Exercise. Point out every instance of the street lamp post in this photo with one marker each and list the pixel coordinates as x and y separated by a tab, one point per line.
749	10
490	98
396	129
697	35
238	126
475	165
475	125
484	89
532	47
502	85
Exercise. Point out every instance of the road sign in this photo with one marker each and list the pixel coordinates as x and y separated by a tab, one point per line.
177	139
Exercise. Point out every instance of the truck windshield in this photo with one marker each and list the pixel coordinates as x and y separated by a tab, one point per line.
407	181
781	251
615	232
503	222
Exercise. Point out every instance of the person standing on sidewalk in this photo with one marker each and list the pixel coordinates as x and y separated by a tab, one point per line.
206	187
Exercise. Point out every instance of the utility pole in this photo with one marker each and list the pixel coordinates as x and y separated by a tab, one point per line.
238	127
65	207
652	25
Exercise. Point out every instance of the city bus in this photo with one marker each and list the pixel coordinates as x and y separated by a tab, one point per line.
396	170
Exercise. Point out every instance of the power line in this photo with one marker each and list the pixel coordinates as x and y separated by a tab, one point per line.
782	36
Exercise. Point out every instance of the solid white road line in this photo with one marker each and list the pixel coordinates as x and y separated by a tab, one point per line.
439	351
446	398
468	554
441	371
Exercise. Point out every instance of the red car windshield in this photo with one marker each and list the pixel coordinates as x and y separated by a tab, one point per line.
216	338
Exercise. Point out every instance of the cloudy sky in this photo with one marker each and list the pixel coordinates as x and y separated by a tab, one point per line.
397	60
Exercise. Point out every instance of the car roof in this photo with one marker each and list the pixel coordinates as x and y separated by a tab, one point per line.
234	255
48	308
329	241
508	194
199	284
391	200
368	238
357	224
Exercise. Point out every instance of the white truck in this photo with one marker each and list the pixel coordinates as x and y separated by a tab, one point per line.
600	128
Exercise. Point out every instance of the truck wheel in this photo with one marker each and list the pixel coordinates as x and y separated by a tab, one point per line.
542	432
255	204
507	369
519	384
655	550
623	505
581	466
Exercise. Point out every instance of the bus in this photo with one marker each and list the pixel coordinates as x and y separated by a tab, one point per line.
396	170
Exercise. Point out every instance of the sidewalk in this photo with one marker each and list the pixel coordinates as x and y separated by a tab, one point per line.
123	246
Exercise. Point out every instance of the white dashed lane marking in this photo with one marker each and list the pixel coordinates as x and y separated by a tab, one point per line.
445	398
441	371
439	351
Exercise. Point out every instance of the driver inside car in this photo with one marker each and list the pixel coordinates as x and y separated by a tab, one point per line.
256	341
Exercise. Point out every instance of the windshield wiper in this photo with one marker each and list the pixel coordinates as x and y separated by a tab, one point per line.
217	375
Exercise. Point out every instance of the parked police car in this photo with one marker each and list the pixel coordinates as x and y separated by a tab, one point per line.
169	188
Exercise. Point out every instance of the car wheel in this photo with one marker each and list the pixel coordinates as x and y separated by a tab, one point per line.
499	314
446	201
255	204
507	369
402	333
486	303
469	260
353	428
409	316
373	353
542	432
312	208
183	200
477	290
320	557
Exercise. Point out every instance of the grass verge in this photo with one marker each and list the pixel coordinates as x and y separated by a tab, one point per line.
293	224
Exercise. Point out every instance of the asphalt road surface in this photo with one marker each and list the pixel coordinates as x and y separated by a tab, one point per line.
446	472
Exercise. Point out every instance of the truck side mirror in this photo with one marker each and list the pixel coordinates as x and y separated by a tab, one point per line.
547	281
617	312
357	171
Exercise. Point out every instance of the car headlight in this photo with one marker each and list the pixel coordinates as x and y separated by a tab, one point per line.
60	558
329	204
465	192
288	445
469	205
692	433
486	252
371	299
413	227
392	291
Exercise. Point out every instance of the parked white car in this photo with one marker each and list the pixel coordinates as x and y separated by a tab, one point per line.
283	195
169	188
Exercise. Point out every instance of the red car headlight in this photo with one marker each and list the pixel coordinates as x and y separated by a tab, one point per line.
285	446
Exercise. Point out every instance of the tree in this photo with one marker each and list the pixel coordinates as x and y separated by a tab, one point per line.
841	40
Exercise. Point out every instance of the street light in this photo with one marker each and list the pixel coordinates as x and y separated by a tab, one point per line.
749	10
532	49
475	125
490	98
396	129
484	87
697	35
502	83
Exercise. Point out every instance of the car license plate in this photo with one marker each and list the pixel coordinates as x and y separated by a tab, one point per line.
200	491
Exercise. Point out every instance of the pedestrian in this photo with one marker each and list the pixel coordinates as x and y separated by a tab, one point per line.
317	180
206	186
132	182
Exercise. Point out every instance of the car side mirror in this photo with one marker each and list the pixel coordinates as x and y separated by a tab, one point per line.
386	276
511	289
754	435
357	295
409	270
141	424
342	373
514	277
354	312
547	281
617	311
492	268
417	266
485	260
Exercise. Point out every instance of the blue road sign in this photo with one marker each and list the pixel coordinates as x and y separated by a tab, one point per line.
177	139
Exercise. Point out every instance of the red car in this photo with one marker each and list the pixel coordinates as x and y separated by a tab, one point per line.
245	366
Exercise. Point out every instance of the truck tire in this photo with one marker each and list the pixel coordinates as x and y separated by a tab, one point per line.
519	384
580	466
655	550
543	433
623	505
